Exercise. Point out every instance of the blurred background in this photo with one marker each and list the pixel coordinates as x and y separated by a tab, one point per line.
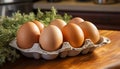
104	13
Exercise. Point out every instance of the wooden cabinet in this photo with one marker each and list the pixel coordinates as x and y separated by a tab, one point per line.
104	20
104	16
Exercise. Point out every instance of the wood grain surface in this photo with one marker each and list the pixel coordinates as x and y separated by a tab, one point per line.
105	57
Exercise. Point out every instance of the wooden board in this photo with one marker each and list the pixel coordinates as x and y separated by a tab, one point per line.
105	57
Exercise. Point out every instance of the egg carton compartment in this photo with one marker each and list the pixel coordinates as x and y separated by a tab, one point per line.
66	50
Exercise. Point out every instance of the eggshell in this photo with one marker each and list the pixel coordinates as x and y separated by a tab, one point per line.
73	34
76	20
27	35
39	25
51	38
59	23
90	31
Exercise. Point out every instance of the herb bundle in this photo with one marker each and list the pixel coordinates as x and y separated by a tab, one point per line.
10	25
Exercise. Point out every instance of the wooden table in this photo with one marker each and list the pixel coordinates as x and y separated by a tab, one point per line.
105	57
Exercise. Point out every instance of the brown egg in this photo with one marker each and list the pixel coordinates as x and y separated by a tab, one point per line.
27	35
90	31
76	20
73	34
59	23
39	24
51	38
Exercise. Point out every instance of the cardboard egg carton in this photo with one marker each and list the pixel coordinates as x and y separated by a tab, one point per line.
66	50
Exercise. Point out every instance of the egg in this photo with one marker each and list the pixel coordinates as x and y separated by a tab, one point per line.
27	35
39	25
59	23
76	20
73	34
90	31
51	38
